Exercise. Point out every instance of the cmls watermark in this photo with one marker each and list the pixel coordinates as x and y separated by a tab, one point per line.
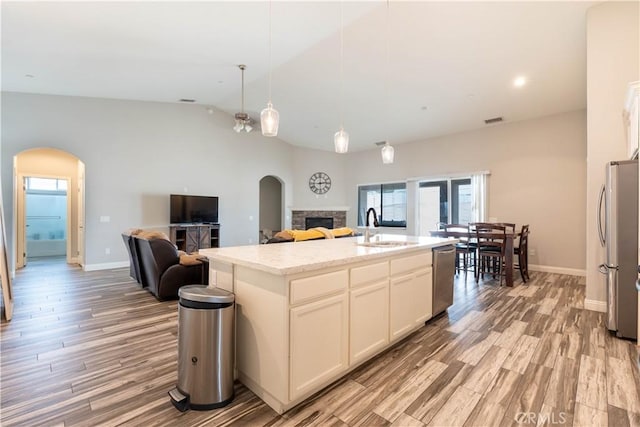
539	418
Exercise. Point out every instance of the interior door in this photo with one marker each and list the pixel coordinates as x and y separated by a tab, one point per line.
80	213
21	223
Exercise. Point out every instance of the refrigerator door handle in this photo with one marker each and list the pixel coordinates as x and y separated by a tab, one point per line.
599	216
603	268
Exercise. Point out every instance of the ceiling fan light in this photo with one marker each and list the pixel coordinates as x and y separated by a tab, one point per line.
269	121
387	153
238	126
247	127
341	141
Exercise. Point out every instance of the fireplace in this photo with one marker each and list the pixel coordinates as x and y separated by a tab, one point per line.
318	221
299	218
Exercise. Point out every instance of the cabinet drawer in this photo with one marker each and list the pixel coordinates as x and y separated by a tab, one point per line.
410	263
369	273
323	284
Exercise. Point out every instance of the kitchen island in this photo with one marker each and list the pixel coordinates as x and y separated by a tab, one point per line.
309	312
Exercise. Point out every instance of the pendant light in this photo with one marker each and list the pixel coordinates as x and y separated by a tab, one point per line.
387	150
269	117
387	153
341	138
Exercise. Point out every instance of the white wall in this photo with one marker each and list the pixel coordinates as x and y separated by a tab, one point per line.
136	154
612	63
306	162
538	177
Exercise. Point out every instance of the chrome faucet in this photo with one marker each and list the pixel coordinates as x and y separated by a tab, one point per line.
367	231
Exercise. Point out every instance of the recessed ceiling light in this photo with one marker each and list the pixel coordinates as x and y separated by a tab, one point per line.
424	108
520	81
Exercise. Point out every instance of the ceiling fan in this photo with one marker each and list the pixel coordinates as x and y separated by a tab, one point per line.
243	121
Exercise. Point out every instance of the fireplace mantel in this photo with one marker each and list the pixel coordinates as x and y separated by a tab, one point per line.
319	208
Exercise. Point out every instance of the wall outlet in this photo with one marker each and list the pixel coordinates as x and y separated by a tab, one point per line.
532	251
250	240
105	218
107	251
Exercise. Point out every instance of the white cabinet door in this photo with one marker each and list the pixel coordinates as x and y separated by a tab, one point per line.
424	296
369	320
410	301
318	343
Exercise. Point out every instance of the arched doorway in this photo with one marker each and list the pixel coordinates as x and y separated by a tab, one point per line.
270	207
48	206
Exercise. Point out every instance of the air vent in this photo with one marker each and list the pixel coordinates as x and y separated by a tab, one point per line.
187	100
493	120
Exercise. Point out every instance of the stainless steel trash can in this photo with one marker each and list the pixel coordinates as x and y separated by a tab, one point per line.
205	348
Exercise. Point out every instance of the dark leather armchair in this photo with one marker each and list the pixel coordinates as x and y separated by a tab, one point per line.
161	270
134	261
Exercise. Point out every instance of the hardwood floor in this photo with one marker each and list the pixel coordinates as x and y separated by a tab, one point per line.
93	348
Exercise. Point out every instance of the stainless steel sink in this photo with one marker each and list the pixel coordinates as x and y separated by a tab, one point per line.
387	243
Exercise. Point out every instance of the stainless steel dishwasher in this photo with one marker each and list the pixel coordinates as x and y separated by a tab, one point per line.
444	260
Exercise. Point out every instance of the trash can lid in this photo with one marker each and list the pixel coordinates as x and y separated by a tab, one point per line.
201	293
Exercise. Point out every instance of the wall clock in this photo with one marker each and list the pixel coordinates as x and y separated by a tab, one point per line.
320	183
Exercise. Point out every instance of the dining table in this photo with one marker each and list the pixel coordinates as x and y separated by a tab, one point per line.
508	246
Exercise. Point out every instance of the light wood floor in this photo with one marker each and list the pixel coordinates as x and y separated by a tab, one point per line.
95	349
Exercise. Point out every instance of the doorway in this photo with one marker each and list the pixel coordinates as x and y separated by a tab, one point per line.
270	207
48	207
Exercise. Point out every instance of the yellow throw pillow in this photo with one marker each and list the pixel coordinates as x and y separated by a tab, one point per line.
325	232
300	235
284	235
342	232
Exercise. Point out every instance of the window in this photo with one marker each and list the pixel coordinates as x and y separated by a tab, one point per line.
446	201
46	184
388	200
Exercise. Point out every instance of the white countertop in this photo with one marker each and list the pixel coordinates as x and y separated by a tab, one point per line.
297	257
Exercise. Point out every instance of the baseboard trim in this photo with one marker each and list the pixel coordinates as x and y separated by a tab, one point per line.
105	266
595	305
558	270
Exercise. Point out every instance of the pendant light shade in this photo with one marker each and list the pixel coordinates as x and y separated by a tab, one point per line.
269	120
269	117
341	138
341	141
387	150
387	153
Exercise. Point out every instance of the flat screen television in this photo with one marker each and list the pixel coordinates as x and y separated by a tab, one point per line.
193	209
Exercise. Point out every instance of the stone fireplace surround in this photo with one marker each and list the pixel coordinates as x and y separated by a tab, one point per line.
298	217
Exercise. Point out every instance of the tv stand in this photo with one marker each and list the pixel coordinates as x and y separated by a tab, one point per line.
191	237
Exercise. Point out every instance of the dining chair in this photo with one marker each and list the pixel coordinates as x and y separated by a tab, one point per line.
491	239
522	253
465	249
510	226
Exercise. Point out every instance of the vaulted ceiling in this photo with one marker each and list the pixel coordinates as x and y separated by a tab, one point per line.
451	65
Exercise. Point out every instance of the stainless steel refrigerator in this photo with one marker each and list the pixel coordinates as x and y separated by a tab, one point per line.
619	235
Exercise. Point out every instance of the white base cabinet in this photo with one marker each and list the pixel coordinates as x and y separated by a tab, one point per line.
296	334
319	343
